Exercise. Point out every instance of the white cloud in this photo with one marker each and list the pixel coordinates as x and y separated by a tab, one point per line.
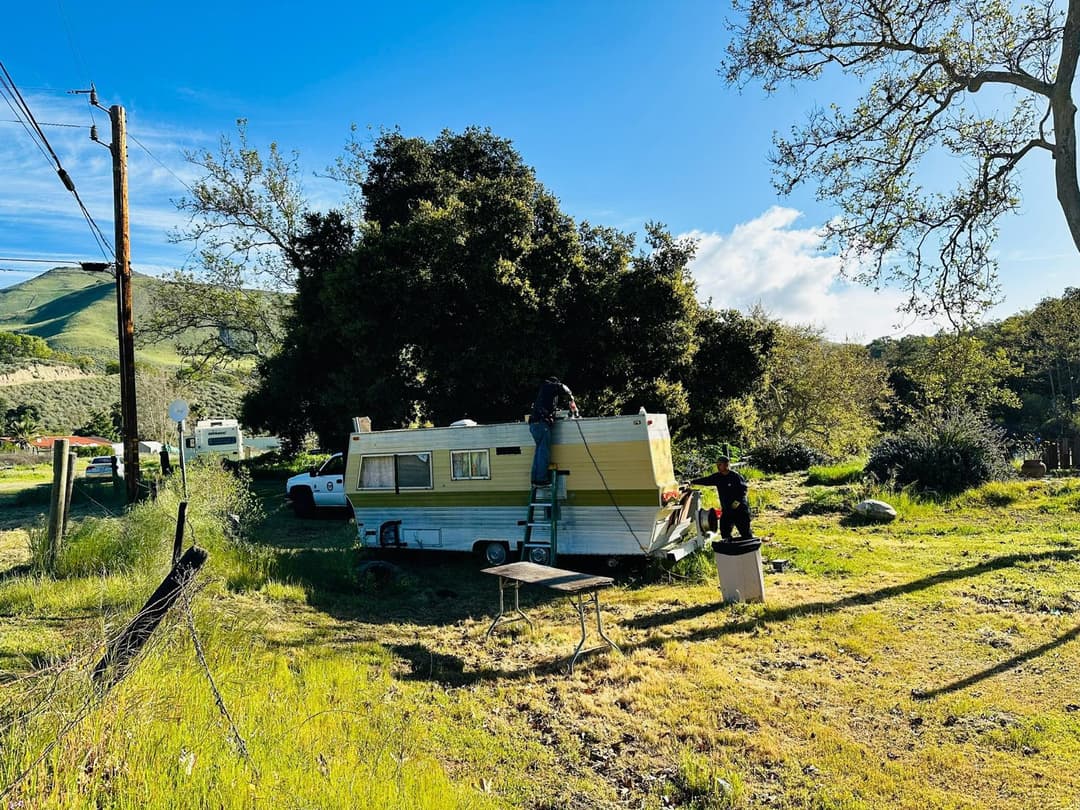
39	218
769	262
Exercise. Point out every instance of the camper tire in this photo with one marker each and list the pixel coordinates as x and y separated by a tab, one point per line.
303	502
495	553
540	556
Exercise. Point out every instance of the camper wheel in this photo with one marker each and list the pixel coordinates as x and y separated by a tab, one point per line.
303	502
540	556
495	553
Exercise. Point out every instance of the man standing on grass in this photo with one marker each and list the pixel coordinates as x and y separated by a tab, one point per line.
542	420
731	487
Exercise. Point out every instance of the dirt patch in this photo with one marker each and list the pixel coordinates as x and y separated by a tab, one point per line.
37	372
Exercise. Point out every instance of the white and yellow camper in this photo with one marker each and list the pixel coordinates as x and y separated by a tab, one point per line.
467	488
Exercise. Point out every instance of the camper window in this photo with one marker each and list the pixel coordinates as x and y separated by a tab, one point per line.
403	471
468	465
414	471
216	441
377	472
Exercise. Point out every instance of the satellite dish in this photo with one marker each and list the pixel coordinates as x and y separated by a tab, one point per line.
178	410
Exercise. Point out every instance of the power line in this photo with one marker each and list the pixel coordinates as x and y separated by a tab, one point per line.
9	101
161	163
78	56
41	123
22	111
65	262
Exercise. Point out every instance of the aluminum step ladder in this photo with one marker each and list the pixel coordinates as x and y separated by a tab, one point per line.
542	523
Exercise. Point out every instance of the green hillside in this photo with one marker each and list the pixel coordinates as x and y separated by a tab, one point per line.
67	404
75	312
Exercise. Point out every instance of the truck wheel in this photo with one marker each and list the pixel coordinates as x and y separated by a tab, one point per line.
303	502
495	553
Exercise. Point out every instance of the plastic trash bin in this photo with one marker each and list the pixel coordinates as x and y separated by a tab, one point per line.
738	564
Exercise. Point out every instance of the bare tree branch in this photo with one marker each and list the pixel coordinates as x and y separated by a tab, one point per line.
920	62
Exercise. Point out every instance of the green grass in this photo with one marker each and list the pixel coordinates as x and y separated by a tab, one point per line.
929	662
847	472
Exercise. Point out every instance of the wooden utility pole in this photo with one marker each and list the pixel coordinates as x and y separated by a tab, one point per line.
125	318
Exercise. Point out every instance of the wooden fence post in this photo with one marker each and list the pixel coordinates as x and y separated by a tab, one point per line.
61	448
127	645
69	486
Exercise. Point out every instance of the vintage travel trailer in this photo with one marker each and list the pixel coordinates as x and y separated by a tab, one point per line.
467	488
221	437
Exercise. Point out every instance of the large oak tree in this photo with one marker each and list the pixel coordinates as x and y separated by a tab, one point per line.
463	284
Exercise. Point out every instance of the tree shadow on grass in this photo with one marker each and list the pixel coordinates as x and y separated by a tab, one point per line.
889	592
428	664
997	669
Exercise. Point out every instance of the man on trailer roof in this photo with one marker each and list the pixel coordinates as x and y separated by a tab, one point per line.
541	421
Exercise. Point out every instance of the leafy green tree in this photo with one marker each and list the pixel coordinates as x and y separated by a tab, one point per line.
99	424
14	346
1045	344
245	213
921	166
464	286
733	353
948	372
825	395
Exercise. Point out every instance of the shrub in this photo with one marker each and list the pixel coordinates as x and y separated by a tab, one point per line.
943	453
783	456
693	459
996	493
277	465
93	450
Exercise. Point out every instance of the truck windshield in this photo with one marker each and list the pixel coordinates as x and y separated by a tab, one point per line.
333	466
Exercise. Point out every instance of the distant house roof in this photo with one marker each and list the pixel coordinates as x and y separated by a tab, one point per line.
46	442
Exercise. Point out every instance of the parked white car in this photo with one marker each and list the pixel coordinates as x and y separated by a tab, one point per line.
322	488
101	467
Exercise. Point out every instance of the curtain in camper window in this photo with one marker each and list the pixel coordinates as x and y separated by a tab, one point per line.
469	464
414	470
377	472
460	463
479	464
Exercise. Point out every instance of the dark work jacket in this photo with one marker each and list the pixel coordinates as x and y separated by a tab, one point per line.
730	487
547	401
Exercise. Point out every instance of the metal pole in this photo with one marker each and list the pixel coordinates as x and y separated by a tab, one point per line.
183	464
178	539
125	317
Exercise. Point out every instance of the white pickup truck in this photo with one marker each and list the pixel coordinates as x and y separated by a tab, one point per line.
322	488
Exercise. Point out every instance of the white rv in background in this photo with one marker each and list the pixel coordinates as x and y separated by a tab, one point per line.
215	436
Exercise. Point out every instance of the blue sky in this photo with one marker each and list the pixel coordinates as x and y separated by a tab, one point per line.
617	105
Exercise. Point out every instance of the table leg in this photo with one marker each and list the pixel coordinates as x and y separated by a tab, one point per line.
600	624
518	613
579	606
